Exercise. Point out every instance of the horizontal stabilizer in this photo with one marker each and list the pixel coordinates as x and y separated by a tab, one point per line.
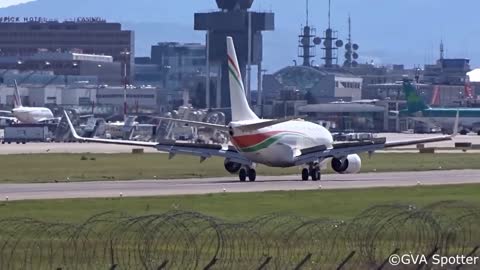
195	123
267	123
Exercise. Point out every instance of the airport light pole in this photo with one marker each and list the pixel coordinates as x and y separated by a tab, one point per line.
126	55
207	77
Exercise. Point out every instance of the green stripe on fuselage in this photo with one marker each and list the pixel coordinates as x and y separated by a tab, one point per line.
267	142
261	145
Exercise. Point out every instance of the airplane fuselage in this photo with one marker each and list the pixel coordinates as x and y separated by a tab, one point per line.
32	115
278	145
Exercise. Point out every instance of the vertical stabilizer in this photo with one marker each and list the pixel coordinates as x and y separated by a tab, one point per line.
240	108
414	101
17	100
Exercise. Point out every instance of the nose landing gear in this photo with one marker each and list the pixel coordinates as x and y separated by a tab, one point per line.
247	172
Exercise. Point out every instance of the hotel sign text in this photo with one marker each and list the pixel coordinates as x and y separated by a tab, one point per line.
9	19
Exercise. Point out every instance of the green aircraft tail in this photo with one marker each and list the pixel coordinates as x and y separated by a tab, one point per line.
414	101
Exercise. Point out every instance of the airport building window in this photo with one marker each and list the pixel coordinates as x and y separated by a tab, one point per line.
84	101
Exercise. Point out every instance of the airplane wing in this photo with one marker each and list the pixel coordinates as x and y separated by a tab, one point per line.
43	120
8	118
348	148
6	112
344	149
204	151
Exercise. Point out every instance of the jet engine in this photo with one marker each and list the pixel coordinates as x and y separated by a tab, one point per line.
232	167
350	164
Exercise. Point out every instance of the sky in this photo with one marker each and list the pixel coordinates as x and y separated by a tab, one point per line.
388	31
7	3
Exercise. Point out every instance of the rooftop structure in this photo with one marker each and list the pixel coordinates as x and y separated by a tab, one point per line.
233	19
24	38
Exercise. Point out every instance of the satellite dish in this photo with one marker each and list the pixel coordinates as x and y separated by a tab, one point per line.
346	63
355	55
317	41
348	46
339	43
348	56
354	64
355	47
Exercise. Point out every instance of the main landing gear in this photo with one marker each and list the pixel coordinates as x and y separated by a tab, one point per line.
247	172
312	171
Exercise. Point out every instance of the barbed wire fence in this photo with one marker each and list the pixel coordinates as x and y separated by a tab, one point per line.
190	240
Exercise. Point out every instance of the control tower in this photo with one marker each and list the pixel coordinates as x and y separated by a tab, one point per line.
235	19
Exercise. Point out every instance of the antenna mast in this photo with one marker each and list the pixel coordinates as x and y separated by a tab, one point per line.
349	29
442	50
307	12
329	9
306	48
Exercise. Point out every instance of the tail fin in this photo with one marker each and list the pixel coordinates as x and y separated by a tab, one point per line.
414	101
240	109
17	100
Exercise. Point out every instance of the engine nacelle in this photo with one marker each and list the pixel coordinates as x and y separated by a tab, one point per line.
349	165
232	167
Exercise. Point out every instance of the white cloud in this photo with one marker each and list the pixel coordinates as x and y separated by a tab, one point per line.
7	3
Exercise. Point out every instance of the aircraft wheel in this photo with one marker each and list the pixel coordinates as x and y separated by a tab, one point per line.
315	173
305	174
478	133
252	175
242	175
463	132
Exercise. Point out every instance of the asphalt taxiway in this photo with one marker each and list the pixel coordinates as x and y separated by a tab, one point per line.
218	185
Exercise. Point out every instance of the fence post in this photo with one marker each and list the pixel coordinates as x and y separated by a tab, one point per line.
387	259
303	262
429	256
112	257
163	265
345	261
468	255
265	263
211	263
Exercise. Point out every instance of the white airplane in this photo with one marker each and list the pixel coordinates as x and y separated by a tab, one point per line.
28	115
275	143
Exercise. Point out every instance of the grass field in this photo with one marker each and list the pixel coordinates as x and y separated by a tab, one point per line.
86	167
335	204
188	241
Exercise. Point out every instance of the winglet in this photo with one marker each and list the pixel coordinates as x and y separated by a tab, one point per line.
72	128
457	123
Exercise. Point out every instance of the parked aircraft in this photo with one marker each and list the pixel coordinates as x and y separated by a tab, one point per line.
418	110
28	115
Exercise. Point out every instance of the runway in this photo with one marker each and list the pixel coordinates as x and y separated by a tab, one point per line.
230	185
